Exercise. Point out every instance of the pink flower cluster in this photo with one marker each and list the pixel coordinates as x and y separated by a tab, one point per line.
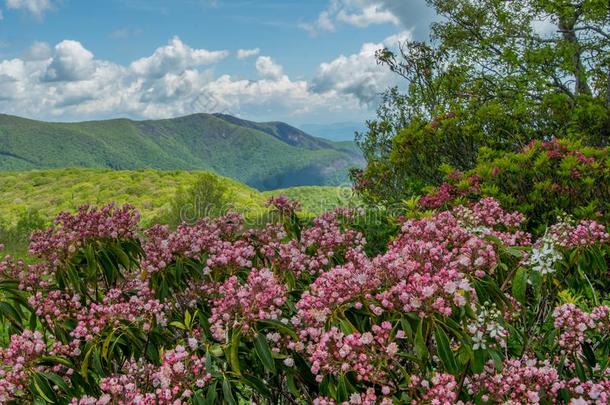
584	233
117	307
218	239
16	362
326	240
522	381
174	382
425	271
238	306
284	205
439	390
589	392
369	355
70	232
447	192
369	397
574	324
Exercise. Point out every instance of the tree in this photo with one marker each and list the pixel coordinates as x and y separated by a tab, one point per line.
495	73
206	198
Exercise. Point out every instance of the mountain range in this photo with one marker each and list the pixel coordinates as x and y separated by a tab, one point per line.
266	156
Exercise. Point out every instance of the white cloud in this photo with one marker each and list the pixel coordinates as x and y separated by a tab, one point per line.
246	53
369	15
268	69
1	16
175	57
68	82
358	13
38	51
71	62
34	7
358	74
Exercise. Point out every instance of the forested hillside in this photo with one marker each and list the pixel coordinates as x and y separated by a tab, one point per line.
262	155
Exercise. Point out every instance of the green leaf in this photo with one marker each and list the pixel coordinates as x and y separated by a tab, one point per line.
42	387
54	360
84	369
444	350
342	394
234	352
227	392
264	352
420	344
258	385
210	397
479	361
292	387
519	286
57	380
280	327
177	324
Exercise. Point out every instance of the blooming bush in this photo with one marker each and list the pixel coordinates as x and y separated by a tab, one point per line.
543	180
463	305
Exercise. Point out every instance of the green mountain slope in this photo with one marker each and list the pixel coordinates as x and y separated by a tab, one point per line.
151	191
262	155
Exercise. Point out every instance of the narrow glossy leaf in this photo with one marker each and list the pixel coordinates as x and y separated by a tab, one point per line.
342	394
444	350
264	353
520	284
234	352
227	392
57	380
280	327
43	389
292	387
420	344
478	362
258	385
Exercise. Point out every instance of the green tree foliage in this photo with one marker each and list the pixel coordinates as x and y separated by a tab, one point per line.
14	238
497	74
546	180
208	197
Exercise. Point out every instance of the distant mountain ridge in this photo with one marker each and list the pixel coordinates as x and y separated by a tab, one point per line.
264	155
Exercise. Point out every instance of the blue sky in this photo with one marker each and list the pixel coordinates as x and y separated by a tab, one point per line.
298	61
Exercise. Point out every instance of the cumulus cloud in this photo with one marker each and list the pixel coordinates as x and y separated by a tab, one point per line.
35	7
358	13
246	53
71	62
369	15
414	15
175	57
358	74
67	81
38	51
268	69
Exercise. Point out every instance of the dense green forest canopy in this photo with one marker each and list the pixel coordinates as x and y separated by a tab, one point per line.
494	73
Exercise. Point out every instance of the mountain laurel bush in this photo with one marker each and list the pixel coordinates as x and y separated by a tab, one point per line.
462	306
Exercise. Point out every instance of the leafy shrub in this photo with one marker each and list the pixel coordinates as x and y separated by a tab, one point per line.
207	197
462	305
15	238
545	180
